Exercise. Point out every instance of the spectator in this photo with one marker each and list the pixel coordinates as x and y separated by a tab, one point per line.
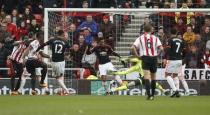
9	5
3	32
85	4
76	55
206	23
82	44
22	30
73	34
195	25
149	4
108	30
206	59
89	24
4	53
193	58
189	35
15	17
2	15
206	35
181	26
185	15
199	43
11	28
88	36
28	16
161	35
34	27
202	4
161	4
190	4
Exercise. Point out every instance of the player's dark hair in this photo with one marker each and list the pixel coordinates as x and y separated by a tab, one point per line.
147	28
60	32
173	31
40	34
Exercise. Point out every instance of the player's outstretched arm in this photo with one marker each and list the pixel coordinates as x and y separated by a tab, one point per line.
40	47
44	54
16	43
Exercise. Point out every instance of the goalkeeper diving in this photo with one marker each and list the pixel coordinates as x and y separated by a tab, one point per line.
136	66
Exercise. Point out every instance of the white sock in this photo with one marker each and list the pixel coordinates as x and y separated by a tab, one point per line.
185	85
106	86
61	83
118	79
176	82
22	84
171	83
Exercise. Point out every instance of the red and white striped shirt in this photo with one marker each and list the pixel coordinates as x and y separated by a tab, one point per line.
18	52
147	44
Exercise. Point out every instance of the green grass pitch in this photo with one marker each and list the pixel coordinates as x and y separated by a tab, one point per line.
103	105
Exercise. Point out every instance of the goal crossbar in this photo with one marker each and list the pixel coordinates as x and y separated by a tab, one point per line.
125	10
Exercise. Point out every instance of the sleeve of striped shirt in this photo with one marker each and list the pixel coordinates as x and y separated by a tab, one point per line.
137	43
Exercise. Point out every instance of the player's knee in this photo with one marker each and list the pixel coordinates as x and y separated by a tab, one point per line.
44	66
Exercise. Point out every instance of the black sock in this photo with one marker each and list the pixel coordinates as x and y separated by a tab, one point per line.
18	84
12	81
19	74
153	86
43	72
33	82
147	86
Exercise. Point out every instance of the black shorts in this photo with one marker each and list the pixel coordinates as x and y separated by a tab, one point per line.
32	64
18	68
149	63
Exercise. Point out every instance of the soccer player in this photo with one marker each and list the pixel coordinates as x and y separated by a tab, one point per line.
34	62
148	46
103	51
174	56
17	64
136	67
58	45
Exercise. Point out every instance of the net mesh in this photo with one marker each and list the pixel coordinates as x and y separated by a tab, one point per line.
122	30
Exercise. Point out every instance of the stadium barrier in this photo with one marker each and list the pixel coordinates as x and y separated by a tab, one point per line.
197	79
94	87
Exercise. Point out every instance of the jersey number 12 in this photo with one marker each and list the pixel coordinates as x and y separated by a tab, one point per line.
58	48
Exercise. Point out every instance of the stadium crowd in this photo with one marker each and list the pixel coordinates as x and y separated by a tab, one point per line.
22	19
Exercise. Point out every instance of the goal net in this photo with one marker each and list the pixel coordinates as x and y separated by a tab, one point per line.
119	28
